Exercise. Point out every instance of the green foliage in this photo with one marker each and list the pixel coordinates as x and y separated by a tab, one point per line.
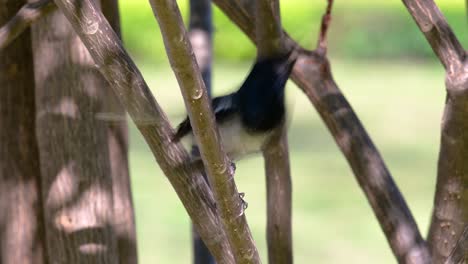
360	29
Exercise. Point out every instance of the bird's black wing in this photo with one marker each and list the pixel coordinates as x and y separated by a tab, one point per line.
223	107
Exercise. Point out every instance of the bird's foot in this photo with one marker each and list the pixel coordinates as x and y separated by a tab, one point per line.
244	203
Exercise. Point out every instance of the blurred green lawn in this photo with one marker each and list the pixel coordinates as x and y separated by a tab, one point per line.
400	104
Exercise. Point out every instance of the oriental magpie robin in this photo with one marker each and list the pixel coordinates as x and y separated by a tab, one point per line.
247	118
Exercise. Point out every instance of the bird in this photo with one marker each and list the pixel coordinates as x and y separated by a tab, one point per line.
247	118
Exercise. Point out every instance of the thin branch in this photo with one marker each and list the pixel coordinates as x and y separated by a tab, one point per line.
218	167
134	94
312	74
201	38
25	16
460	252
326	18
276	154
438	33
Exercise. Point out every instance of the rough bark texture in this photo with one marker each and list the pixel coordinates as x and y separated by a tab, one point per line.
200	35
21	219
312	74
218	168
75	166
18	22
117	137
450	215
134	94
269	36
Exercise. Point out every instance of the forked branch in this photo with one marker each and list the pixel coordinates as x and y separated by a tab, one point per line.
313	75
134	94
218	167
450	214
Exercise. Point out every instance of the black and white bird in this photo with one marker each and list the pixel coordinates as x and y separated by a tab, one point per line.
247	117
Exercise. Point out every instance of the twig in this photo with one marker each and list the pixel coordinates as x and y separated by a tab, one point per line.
25	16
134	94
326	18
438	33
312	74
276	154
218	167
460	252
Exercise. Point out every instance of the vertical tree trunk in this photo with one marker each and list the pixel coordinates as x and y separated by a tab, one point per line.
200	35
21	220
269	36
117	135
73	145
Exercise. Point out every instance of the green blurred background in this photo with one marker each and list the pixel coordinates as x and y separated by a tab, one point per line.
387	71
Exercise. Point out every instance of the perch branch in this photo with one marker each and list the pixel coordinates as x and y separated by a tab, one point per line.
134	94
25	16
313	75
438	33
201	38
218	167
276	154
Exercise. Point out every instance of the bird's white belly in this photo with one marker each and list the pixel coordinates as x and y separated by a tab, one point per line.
237	142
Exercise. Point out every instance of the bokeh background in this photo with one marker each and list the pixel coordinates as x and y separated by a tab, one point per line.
387	71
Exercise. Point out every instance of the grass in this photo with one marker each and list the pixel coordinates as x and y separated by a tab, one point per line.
359	29
400	104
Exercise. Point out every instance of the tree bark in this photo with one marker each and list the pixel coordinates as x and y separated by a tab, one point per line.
217	166
279	201
201	39
134	94
313	75
76	172
450	214
21	218
117	139
269	36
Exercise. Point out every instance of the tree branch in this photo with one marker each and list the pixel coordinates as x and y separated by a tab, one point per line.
218	168
269	36
131	89
279	200
25	16
312	74
450	213
201	38
268	28
438	33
